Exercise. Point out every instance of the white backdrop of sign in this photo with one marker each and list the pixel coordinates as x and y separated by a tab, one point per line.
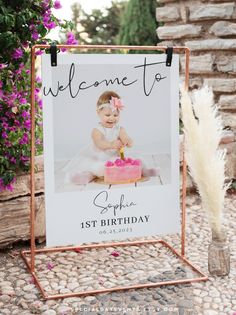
96	211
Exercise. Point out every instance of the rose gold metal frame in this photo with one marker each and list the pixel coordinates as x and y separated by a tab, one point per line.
31	264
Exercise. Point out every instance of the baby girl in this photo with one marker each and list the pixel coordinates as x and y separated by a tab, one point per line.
108	137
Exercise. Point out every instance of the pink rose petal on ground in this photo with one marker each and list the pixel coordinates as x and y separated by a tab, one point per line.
100	281
115	253
50	266
31	281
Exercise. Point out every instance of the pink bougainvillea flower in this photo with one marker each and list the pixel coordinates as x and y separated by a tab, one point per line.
39	53
115	253
24	158
4	135
57	5
40	103
70	40
16	123
18	71
6	187
5	125
35	35
38	141
9	187
13	160
25	44
24	139
8	144
17	53
27	124
23	100
46	2
50	266
50	25
46	18
13	96
25	114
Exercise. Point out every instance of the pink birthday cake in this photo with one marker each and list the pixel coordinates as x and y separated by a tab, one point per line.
122	171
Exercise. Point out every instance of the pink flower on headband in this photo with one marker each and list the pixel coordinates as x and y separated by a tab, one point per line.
116	103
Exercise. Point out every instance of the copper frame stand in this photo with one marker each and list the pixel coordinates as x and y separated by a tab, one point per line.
33	251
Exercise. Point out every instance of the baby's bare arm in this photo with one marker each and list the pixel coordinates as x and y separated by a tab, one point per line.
101	143
125	139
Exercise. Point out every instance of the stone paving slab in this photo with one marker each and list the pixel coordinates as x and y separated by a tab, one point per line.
217	296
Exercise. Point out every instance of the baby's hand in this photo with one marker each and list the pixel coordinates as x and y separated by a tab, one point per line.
127	142
116	144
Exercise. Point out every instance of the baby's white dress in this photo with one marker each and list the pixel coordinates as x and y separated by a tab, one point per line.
91	159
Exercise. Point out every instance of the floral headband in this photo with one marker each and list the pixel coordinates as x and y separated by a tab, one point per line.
114	104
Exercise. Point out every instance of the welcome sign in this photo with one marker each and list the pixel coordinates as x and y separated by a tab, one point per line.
111	147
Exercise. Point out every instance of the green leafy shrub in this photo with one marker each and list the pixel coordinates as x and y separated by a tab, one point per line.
23	23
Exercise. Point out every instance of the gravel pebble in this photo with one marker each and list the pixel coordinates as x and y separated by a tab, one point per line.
5	298
49	312
62	310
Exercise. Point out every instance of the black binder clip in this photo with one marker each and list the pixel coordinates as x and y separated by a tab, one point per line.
169	52
53	52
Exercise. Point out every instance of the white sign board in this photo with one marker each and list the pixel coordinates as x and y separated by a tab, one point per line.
93	105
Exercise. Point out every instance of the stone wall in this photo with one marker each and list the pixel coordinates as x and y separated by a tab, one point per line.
15	208
208	28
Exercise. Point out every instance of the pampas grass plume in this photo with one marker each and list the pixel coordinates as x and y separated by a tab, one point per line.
203	130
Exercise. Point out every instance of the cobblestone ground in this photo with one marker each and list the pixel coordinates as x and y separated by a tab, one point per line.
77	270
